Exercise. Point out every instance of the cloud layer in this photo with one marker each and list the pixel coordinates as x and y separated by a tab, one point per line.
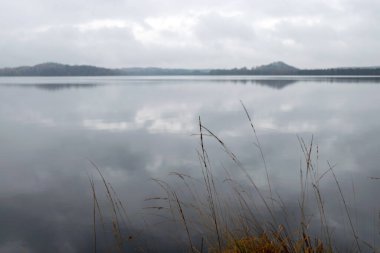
195	34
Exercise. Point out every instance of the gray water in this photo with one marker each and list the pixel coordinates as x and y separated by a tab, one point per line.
136	129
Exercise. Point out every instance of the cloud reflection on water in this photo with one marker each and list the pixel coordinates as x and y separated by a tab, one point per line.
138	132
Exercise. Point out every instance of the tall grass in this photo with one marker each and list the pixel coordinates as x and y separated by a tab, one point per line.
233	216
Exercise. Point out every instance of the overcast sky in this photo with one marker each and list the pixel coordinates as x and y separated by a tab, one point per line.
192	33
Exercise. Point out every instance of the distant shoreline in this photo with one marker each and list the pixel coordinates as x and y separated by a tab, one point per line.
272	69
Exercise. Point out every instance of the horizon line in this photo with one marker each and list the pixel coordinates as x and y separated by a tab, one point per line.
189	68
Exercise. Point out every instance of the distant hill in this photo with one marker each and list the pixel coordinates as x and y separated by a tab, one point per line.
56	69
275	68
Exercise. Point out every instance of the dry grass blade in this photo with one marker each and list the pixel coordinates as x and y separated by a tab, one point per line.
115	223
173	197
210	185
96	209
183	218
94	212
259	147
345	207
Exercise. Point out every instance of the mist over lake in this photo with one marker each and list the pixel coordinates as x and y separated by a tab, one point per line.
54	129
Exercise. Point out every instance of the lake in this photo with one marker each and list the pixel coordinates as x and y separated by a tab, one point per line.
55	130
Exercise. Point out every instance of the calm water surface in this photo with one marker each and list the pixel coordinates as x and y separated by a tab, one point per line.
140	128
